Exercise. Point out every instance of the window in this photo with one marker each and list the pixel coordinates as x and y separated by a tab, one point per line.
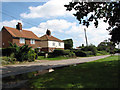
53	44
59	44
32	41
22	40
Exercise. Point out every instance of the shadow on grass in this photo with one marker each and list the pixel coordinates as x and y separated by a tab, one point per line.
87	75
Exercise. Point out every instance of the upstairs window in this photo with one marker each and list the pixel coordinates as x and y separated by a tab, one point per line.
59	44
53	44
32	41
22	40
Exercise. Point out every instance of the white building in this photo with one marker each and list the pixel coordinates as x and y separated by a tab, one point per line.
49	43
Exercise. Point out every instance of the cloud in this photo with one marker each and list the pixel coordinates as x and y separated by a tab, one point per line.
63	29
11	23
55	25
52	8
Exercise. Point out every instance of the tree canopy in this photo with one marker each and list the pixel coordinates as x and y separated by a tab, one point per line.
68	43
108	11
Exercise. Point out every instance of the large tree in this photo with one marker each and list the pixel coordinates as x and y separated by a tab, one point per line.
108	11
68	43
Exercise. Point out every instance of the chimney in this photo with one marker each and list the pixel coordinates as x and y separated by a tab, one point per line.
19	26
48	32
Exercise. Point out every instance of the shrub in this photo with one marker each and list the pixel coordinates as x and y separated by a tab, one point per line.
31	55
91	48
80	53
37	52
41	53
88	53
7	51
59	52
72	54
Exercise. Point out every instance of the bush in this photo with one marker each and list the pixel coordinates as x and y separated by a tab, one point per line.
31	55
41	53
37	52
80	53
59	52
91	48
7	51
72	54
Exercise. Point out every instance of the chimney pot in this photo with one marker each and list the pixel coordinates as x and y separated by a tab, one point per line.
48	32
19	26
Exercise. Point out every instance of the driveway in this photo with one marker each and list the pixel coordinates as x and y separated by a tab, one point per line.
43	65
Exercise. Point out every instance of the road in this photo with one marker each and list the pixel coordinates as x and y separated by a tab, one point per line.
43	65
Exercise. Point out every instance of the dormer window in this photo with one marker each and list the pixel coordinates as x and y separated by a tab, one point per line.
22	40
32	41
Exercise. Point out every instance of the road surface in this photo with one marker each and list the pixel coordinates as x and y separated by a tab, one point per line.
43	65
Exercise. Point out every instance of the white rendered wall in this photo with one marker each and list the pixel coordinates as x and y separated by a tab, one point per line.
50	44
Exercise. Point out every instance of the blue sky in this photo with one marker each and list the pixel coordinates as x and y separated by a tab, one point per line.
40	16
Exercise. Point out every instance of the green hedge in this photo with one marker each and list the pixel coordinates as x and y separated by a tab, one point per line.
59	52
81	53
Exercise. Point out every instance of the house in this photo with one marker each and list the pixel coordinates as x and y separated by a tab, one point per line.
49	43
19	36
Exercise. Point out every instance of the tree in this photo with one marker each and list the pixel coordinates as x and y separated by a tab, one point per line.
106	46
108	11
68	43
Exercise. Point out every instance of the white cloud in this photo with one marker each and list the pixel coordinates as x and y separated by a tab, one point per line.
64	29
11	23
52	8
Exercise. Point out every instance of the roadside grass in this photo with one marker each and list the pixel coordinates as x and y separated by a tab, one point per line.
102	73
54	58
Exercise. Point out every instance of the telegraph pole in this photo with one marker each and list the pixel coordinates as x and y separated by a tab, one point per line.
86	37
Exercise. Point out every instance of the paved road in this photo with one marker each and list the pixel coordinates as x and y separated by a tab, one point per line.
43	65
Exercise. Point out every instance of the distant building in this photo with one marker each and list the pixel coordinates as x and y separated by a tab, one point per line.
50	43
19	36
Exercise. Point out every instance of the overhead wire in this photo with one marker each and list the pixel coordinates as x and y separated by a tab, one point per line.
3	12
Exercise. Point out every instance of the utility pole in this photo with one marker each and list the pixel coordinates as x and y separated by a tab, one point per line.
86	37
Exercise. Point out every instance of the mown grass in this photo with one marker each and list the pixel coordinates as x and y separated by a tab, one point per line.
102	73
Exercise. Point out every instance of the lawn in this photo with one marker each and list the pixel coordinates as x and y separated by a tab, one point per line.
102	73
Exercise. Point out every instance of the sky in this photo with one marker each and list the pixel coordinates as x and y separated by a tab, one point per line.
40	16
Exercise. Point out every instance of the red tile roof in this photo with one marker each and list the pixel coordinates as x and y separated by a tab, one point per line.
22	34
49	37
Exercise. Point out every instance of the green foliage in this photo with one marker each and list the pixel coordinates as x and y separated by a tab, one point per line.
31	56
91	48
106	46
115	35
68	43
7	51
59	52
22	53
80	53
108	11
37	52
102	53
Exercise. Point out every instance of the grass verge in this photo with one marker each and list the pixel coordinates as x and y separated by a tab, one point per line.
102	73
55	58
